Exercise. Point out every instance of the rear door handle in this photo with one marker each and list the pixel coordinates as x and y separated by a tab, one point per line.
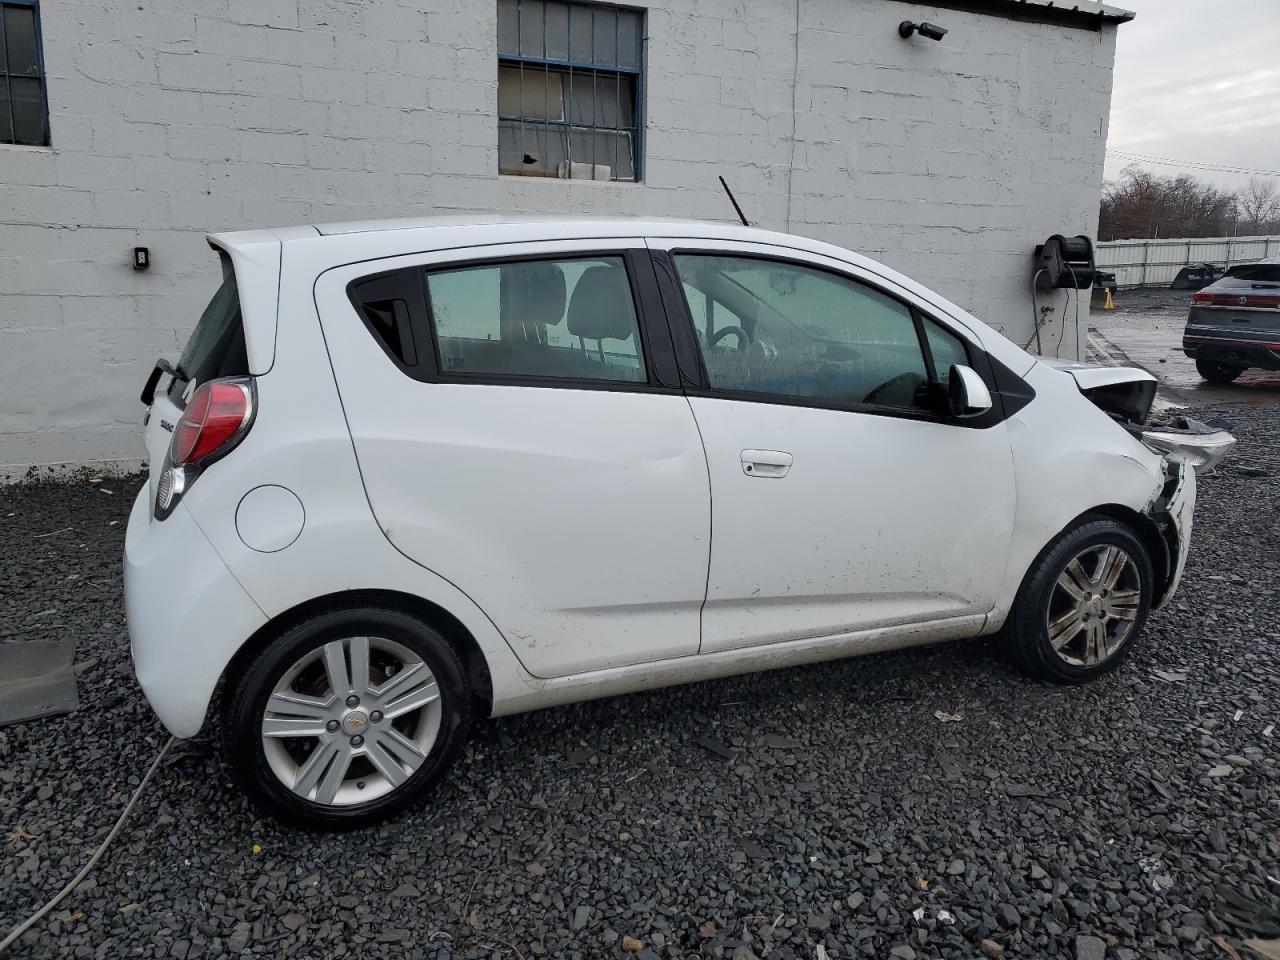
766	463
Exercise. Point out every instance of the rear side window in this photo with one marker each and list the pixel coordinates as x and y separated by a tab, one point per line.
1255	272
565	319
216	347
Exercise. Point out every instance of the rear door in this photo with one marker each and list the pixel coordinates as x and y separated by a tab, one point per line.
216	348
520	432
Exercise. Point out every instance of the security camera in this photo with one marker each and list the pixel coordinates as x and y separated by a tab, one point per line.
931	30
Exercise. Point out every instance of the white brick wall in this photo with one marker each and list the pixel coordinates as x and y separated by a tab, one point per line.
949	161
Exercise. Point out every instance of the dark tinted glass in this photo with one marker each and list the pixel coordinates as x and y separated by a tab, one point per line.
508	35
216	348
20	41
27	101
628	39
6	130
605	46
22	111
557	31
531	28
580	34
1256	272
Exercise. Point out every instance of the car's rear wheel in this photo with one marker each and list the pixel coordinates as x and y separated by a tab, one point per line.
1216	372
1083	603
346	718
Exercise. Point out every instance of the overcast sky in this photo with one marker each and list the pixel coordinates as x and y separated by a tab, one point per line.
1198	81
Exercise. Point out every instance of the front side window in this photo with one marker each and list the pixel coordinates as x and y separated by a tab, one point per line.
946	349
569	87
23	117
787	330
566	319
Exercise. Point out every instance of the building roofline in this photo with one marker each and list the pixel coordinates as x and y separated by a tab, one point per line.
1083	14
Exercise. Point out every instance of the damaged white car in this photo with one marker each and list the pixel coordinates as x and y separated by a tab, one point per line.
407	473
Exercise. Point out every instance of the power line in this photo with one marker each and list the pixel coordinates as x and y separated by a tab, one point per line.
1193	164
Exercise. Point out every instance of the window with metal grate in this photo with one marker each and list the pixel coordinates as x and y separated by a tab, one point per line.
570	90
24	117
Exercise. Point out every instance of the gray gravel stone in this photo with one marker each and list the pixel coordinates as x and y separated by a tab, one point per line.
1112	831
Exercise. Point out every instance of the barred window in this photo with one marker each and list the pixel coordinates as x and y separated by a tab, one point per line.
570	81
23	117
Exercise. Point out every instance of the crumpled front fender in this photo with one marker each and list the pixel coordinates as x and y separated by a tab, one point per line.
1173	512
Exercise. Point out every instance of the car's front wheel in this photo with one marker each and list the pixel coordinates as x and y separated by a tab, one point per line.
346	718
1083	603
1216	372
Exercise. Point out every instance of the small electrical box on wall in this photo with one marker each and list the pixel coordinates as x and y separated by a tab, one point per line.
1065	262
141	258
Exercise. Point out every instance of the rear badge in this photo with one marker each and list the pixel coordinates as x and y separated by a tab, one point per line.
1244	301
166	425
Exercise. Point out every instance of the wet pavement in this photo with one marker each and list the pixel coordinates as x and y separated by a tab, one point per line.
1145	330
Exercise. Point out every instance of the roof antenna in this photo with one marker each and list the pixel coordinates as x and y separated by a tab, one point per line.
741	216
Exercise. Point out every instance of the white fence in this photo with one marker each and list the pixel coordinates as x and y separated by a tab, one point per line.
1154	263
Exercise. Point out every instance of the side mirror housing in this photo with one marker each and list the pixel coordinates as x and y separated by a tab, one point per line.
968	396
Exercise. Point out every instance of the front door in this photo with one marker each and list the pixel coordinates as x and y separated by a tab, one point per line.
515	438
841	502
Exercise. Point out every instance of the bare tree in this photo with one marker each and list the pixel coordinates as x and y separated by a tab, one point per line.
1259	204
1142	204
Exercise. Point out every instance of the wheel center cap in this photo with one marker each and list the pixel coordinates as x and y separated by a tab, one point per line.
1095	606
355	722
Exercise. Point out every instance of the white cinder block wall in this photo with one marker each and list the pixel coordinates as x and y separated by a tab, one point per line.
949	161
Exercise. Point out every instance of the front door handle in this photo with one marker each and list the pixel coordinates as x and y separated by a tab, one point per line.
766	463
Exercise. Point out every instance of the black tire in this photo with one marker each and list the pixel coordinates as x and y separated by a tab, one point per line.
1026	633
1216	372
248	692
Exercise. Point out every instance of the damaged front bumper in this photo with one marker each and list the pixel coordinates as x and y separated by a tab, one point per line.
1173	512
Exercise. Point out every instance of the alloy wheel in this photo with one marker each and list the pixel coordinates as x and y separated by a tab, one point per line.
1094	605
351	720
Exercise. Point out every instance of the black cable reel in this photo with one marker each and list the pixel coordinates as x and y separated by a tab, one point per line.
1065	263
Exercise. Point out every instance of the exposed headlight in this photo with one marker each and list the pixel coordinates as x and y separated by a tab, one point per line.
1203	451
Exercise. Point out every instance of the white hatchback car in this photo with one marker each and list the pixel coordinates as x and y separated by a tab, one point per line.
409	472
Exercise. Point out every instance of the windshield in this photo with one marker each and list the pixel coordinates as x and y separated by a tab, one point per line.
216	347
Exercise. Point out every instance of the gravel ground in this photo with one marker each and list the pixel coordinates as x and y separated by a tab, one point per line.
757	817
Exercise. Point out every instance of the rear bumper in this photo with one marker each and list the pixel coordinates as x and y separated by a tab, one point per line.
1240	346
187	614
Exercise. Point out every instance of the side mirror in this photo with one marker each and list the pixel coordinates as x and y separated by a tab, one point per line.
968	395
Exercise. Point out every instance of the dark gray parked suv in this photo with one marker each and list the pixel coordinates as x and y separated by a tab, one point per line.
1235	323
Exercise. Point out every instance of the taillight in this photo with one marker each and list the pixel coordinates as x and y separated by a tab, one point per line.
218	412
216	419
1263	301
